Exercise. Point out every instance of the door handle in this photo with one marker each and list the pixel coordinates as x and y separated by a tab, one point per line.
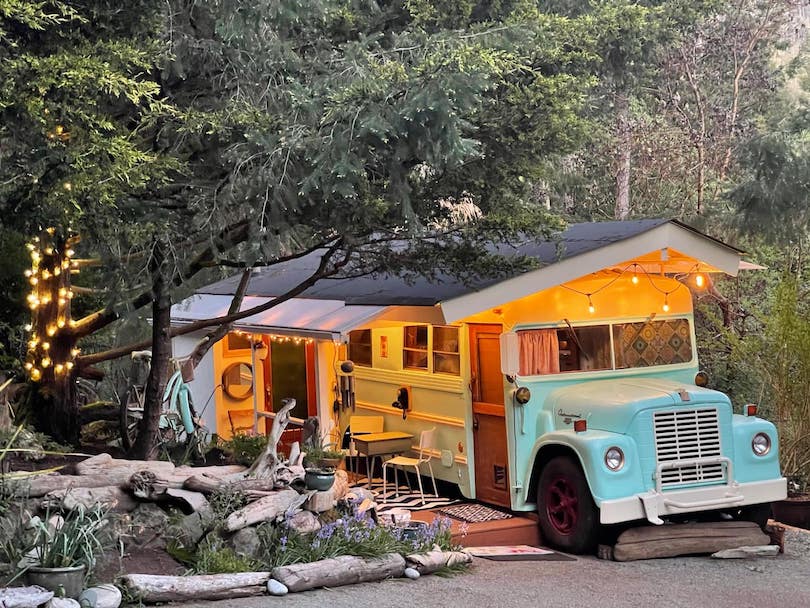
475	423
474	387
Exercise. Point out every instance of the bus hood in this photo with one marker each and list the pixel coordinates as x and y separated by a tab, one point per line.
611	405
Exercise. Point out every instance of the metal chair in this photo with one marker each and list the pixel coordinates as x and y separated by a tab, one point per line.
362	425
426	443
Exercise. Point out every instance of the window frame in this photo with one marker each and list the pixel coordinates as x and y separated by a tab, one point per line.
430	351
370	345
610	324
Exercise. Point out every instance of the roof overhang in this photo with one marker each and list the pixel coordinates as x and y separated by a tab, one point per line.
320	319
662	249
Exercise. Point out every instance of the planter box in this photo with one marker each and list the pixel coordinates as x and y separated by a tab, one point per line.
793	511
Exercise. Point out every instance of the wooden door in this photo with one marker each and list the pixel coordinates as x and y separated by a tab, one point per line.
289	371
489	416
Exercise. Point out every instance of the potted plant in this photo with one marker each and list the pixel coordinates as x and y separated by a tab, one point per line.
319	478
63	550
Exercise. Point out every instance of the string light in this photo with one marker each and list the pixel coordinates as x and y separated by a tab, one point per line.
35	374
635	274
666	302
46	361
69	365
58	368
591	307
700	281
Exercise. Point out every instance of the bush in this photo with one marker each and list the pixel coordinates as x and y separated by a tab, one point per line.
352	534
244	448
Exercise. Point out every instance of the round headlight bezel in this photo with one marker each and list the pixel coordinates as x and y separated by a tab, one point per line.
615	455
754	444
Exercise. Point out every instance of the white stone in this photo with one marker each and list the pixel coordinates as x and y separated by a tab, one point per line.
412	573
748	551
62	602
101	596
24	597
304	522
276	588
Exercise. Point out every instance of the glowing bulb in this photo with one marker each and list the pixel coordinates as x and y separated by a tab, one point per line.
70	295
49	250
67	186
28	273
57	271
69	365
28	327
700	280
35	374
62	301
45	362
35	256
62	291
29	365
666	302
30	246
591	307
58	368
46	275
635	279
33	280
60	323
51	330
69	253
74	352
46	345
33	343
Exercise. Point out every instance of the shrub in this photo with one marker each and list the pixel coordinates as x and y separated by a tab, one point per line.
244	448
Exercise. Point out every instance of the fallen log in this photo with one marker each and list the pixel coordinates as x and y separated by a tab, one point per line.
343	570
41	485
647	542
152	588
266	508
111	498
208	485
436	559
104	463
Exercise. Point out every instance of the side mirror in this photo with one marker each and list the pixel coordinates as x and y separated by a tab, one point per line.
510	354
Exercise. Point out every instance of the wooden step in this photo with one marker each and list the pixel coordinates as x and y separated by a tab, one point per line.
518	530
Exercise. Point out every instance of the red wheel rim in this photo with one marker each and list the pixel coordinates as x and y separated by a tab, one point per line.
562	503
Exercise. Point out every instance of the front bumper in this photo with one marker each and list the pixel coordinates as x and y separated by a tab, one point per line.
654	504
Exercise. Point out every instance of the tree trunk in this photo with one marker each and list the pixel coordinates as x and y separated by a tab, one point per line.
623	154
149	427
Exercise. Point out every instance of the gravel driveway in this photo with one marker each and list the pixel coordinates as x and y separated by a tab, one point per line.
684	582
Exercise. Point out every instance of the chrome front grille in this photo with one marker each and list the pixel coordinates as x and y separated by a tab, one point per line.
688	435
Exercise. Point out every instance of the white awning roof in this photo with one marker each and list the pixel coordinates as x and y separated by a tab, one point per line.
327	319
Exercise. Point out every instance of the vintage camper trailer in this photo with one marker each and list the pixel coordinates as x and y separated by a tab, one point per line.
573	389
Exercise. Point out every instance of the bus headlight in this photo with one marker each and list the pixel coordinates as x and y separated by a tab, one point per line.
761	444
614	458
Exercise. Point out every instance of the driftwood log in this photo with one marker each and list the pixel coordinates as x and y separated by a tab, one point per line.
436	559
646	542
111	498
207	484
158	588
343	570
266	508
267	465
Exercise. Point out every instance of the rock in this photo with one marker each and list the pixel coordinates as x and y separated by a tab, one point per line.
748	552
246	542
24	597
62	602
358	495
276	588
193	527
145	526
101	596
341	485
304	522
321	501
412	573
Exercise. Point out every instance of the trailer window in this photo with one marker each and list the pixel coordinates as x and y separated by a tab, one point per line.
360	347
551	351
415	351
652	343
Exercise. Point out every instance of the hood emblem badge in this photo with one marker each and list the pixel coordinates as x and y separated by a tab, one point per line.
684	395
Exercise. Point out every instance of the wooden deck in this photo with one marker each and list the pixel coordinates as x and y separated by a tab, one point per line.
518	530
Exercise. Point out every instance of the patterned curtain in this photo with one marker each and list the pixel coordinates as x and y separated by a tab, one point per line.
539	352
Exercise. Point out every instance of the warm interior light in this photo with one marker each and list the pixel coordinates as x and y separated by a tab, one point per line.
666	302
700	280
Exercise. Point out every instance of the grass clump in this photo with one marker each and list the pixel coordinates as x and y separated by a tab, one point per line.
245	448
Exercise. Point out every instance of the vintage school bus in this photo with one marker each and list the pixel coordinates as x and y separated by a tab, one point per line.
573	389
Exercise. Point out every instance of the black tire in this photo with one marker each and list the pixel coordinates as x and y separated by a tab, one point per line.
568	517
128	423
759	514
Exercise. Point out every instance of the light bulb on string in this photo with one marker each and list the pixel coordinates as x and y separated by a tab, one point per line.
666	302
700	280
35	374
591	307
634	279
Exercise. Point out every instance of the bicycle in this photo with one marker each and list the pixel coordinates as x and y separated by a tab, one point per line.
179	423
